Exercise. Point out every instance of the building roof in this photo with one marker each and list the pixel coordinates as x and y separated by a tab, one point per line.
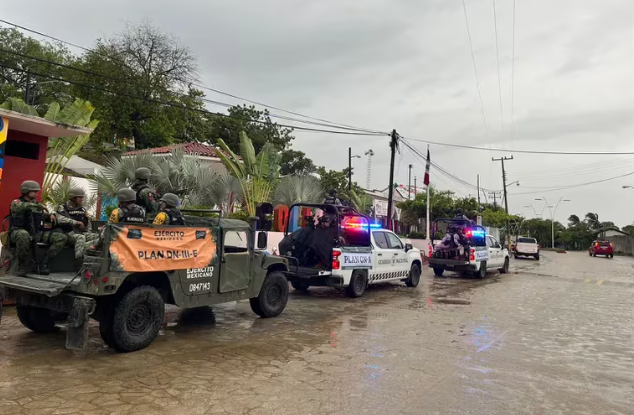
193	148
39	126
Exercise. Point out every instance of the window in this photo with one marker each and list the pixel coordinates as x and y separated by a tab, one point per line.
526	241
22	149
235	241
394	241
493	242
380	239
489	242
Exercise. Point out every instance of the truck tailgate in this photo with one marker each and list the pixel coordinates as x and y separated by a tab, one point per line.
526	248
50	285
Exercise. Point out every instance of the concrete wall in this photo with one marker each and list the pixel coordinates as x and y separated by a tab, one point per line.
623	243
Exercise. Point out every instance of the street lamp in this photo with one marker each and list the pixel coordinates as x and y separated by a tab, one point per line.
552	216
350	157
537	215
628	187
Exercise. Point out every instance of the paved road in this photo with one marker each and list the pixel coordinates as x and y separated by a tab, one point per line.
555	338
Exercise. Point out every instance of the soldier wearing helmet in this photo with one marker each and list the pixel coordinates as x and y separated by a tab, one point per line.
127	212
169	214
78	226
29	223
144	195
332	199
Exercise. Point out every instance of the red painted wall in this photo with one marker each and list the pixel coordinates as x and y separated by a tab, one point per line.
17	169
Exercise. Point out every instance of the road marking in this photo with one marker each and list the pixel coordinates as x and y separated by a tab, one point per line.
588	280
599	282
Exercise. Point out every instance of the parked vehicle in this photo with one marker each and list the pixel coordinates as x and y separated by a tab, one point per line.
601	247
347	252
526	247
140	268
477	253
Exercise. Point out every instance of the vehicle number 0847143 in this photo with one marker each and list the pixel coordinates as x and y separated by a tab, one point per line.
201	286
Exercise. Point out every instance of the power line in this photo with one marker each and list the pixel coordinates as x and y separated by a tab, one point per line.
330	123
497	58
170	104
572	186
561	153
475	69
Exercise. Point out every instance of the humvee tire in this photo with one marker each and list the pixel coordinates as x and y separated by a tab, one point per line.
39	320
273	296
133	322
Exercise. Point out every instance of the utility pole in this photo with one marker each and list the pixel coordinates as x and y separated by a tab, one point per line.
478	191
393	147
349	169
415	192
506	199
409	184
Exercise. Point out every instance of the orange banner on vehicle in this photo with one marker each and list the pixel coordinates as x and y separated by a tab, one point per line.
143	249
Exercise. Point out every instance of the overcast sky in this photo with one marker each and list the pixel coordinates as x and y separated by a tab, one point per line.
385	64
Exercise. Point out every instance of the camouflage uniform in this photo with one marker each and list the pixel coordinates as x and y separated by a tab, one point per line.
127	212
144	194
78	238
28	222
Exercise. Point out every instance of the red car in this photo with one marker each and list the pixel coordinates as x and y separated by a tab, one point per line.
601	248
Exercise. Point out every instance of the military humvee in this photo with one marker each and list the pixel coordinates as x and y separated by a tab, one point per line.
139	269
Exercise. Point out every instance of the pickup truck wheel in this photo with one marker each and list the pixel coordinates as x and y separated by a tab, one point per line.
505	268
39	320
611	255
589	253
414	276
358	282
134	321
482	271
300	285
537	257
273	296
439	271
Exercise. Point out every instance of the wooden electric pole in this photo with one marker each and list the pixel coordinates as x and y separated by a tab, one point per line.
393	147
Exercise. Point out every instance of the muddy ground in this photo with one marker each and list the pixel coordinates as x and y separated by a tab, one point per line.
557	337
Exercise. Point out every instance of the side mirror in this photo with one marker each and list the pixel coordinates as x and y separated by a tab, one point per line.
262	240
408	247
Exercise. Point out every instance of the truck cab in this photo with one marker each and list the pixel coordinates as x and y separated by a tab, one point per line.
142	267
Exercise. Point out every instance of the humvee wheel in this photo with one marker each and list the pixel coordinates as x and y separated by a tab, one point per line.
414	276
358	283
300	285
133	322
273	296
39	320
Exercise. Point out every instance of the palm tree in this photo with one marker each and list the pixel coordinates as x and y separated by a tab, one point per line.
298	189
59	194
574	220
360	202
593	220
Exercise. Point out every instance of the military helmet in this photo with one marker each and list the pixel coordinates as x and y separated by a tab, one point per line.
332	192
29	186
170	199
142	173
126	195
76	192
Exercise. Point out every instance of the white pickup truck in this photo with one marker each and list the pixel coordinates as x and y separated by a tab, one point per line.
526	247
354	268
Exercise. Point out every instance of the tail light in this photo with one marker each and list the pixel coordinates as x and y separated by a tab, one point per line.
335	259
596	244
611	245
472	255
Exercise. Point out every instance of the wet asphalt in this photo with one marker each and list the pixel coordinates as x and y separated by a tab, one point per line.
553	337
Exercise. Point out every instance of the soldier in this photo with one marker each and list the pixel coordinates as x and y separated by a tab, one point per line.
332	199
30	222
169	214
79	230
144	194
127	212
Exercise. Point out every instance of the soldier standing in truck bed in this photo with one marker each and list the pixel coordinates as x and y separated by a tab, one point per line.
29	223
169	214
79	232
144	194
127	212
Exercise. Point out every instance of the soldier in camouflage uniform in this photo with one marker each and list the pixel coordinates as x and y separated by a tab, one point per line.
30	222
127	212
169	214
79	231
144	194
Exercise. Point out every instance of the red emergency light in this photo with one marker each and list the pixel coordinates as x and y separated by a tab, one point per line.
355	223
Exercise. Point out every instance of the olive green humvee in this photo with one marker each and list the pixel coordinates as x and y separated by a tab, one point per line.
126	284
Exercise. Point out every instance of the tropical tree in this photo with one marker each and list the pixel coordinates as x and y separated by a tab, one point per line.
593	220
298	189
60	191
257	174
360	201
